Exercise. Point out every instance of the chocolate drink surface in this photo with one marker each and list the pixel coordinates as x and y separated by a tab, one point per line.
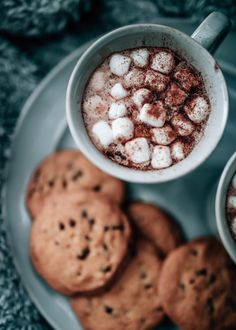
145	108
231	207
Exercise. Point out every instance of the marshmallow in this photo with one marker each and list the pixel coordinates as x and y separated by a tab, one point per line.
233	225
163	62
156	81
95	104
186	77
164	135
134	78
177	151
232	201
123	129
98	81
197	135
153	114
182	125
141	96
175	96
197	109
118	92
234	181
161	157
140	57
103	133
119	64
138	150
117	110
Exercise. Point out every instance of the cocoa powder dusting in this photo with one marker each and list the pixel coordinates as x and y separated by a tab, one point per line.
169	93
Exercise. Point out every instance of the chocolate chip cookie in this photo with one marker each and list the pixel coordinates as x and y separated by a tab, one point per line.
133	301
78	242
69	171
156	226
197	286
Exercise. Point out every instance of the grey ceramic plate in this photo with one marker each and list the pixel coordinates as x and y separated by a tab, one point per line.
42	129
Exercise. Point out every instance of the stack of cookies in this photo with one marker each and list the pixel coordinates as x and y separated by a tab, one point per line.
122	264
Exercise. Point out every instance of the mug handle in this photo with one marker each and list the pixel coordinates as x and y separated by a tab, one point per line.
212	31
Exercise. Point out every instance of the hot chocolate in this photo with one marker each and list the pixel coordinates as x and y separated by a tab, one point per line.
145	108
231	207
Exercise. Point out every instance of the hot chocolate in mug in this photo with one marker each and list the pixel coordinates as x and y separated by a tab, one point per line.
195	50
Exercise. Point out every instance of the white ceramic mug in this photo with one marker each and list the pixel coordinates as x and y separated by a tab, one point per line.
220	207
195	50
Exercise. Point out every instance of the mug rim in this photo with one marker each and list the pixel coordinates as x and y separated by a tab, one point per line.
220	203
117	170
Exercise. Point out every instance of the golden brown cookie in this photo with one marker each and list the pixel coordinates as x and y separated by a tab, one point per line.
69	171
156	226
133	301
197	286
78	242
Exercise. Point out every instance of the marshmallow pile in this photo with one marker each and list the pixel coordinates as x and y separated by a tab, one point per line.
231	205
150	84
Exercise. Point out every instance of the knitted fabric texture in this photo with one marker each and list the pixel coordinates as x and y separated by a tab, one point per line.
37	17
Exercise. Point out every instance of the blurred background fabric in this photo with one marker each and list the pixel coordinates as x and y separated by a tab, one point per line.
34	36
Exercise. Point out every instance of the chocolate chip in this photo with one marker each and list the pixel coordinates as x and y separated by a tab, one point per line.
77	175
147	286
212	279
158	309
91	222
87	238
194	252
106	269
106	228
83	255
61	226
72	222
64	183
108	309
84	214
181	286
97	188
118	227
51	183
210	306
192	281
143	275
105	247
201	272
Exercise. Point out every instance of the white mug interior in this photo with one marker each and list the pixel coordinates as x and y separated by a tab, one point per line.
142	35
